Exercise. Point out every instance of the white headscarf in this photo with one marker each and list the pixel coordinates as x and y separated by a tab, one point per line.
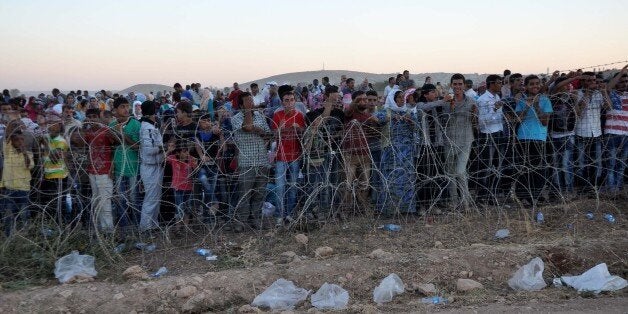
391	104
206	96
137	114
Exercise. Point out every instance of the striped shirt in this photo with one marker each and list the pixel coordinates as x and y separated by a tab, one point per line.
617	118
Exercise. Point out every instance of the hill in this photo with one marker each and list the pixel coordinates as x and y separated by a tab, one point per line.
334	77
146	88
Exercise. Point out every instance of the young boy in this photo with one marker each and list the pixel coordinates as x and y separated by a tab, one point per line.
18	162
54	185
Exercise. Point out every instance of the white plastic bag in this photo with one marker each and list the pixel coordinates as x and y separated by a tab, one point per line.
330	297
73	266
281	295
388	288
529	277
596	279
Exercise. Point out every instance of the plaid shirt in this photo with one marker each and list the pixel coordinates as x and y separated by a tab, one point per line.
251	146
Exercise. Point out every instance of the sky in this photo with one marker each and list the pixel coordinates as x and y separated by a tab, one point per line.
115	44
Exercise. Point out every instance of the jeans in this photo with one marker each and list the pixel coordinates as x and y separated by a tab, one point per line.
102	191
126	204
591	160
286	173
208	176
562	160
14	203
182	200
617	149
318	185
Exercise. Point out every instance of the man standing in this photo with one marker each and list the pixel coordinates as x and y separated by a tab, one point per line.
125	163
250	133
491	148
288	124
234	96
151	167
589	130
391	85
458	122
616	130
258	98
533	110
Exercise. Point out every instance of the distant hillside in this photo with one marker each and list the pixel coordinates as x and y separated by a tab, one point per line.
334	77
146	88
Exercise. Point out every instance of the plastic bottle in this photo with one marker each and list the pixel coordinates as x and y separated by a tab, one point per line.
119	248
590	215
204	252
539	217
610	218
434	300
391	227
160	272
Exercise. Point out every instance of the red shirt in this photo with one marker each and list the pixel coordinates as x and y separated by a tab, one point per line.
233	97
289	145
181	173
100	150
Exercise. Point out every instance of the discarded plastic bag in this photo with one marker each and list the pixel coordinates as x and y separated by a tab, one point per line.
529	277
281	295
596	279
268	209
388	288
330	297
74	266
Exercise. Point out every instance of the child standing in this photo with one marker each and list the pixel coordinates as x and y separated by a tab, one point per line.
183	166
18	162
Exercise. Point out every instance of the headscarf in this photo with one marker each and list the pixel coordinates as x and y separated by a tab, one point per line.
137	112
391	104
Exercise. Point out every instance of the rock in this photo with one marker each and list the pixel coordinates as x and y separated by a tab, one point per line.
438	245
118	296
445	257
464	274
184	292
323	251
301	238
135	272
427	289
198	279
66	293
287	257
470	274
249	309
463	284
195	303
380	254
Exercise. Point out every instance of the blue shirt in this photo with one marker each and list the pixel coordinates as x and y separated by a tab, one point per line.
531	127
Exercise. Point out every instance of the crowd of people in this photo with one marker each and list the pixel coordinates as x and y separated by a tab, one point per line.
317	152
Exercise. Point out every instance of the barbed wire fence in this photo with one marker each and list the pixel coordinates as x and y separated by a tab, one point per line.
408	176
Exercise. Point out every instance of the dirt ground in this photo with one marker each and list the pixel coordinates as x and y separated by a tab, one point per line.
435	249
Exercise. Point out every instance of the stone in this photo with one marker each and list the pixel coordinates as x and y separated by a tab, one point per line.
195	303
438	245
464	274
470	274
301	238
464	284
287	257
66	293
323	251
427	289
249	309
184	292
380	254
118	296
135	272
445	257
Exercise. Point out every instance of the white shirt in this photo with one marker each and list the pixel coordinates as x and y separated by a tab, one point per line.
389	88
258	99
590	124
471	93
489	119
